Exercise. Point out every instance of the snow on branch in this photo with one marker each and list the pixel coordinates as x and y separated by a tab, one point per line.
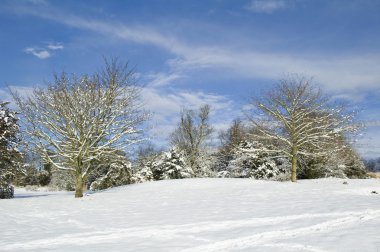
299	120
77	120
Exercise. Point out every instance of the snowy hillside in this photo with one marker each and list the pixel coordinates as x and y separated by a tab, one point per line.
198	215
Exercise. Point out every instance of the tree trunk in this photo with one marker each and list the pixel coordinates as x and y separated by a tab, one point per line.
79	186
294	165
193	163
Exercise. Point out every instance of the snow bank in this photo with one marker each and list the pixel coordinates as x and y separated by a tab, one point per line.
198	215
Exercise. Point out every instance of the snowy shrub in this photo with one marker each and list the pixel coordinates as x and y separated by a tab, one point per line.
144	174
147	158
356	172
62	180
318	167
28	176
345	169
119	173
6	178
205	164
344	163
354	167
167	165
32	188
221	163
6	192
223	174
10	157
229	139
44	178
171	165
251	160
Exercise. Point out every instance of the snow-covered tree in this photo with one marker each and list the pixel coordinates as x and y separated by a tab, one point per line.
10	157
299	120
253	160
191	137
144	174
118	172
75	121
171	164
148	156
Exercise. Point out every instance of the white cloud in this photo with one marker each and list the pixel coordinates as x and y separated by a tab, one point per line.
38	52
44	52
56	46
266	6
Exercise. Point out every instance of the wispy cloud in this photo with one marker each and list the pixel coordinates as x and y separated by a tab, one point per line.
162	79
55	46
352	97
44	52
266	6
336	72
40	53
373	124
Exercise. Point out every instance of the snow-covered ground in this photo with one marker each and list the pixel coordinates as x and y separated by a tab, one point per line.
198	215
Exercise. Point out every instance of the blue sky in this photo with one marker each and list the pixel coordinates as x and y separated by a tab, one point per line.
188	53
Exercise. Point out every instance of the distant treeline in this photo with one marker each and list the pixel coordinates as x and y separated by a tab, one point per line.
372	164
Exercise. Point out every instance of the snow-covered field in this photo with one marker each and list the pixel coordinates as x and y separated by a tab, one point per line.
198	215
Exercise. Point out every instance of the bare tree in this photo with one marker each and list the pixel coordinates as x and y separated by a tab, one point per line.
192	134
77	121
229	140
233	136
299	120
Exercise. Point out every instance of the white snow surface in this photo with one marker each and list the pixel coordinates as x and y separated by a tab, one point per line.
198	215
